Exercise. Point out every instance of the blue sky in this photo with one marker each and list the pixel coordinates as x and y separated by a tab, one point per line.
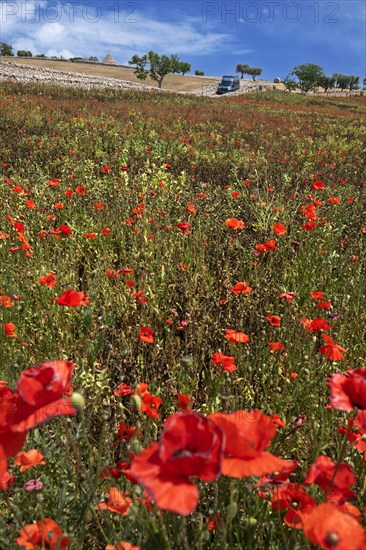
213	36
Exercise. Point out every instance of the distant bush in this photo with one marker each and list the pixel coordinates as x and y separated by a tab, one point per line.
24	53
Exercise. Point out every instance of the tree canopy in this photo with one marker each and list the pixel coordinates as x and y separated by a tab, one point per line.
158	66
309	76
6	50
246	69
242	68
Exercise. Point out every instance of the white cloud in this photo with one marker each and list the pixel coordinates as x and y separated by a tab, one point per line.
71	28
50	33
243	52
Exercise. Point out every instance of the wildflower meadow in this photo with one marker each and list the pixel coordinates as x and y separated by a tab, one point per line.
182	320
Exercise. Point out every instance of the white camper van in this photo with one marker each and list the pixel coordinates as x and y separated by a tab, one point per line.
229	83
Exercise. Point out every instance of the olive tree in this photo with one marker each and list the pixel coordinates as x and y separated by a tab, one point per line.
158	66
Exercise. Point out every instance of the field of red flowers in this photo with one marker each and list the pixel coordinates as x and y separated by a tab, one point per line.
182	321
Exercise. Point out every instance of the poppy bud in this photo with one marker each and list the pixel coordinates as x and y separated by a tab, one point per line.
252	521
136	446
232	510
136	399
77	401
187	360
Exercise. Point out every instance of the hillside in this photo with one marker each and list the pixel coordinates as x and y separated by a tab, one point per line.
108	73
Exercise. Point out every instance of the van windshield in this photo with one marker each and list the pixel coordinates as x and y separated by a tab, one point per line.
227	82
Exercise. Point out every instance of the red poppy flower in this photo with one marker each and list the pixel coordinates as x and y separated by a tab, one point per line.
184	401
119	503
49	280
318	324
184	227
190	446
123	390
308	226
5	301
65	229
28	459
190	208
356	432
317	295
334	200
46	533
277	421
226	362
55	182
279	229
9	329
140	297
124	432
72	298
142	389
30	204
348	390
40	389
6	481
334	479
295	499
276	479
318	185
276	346
241	288
333	529
331	350
274	320
112	273
247	435
122	545
234	223
146	335
288	296
214	521
234	336
267	246
322	304
150	405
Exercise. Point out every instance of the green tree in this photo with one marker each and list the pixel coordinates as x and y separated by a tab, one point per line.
184	68
254	71
199	73
24	53
6	50
158	66
354	83
343	81
241	68
289	83
327	82
308	75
